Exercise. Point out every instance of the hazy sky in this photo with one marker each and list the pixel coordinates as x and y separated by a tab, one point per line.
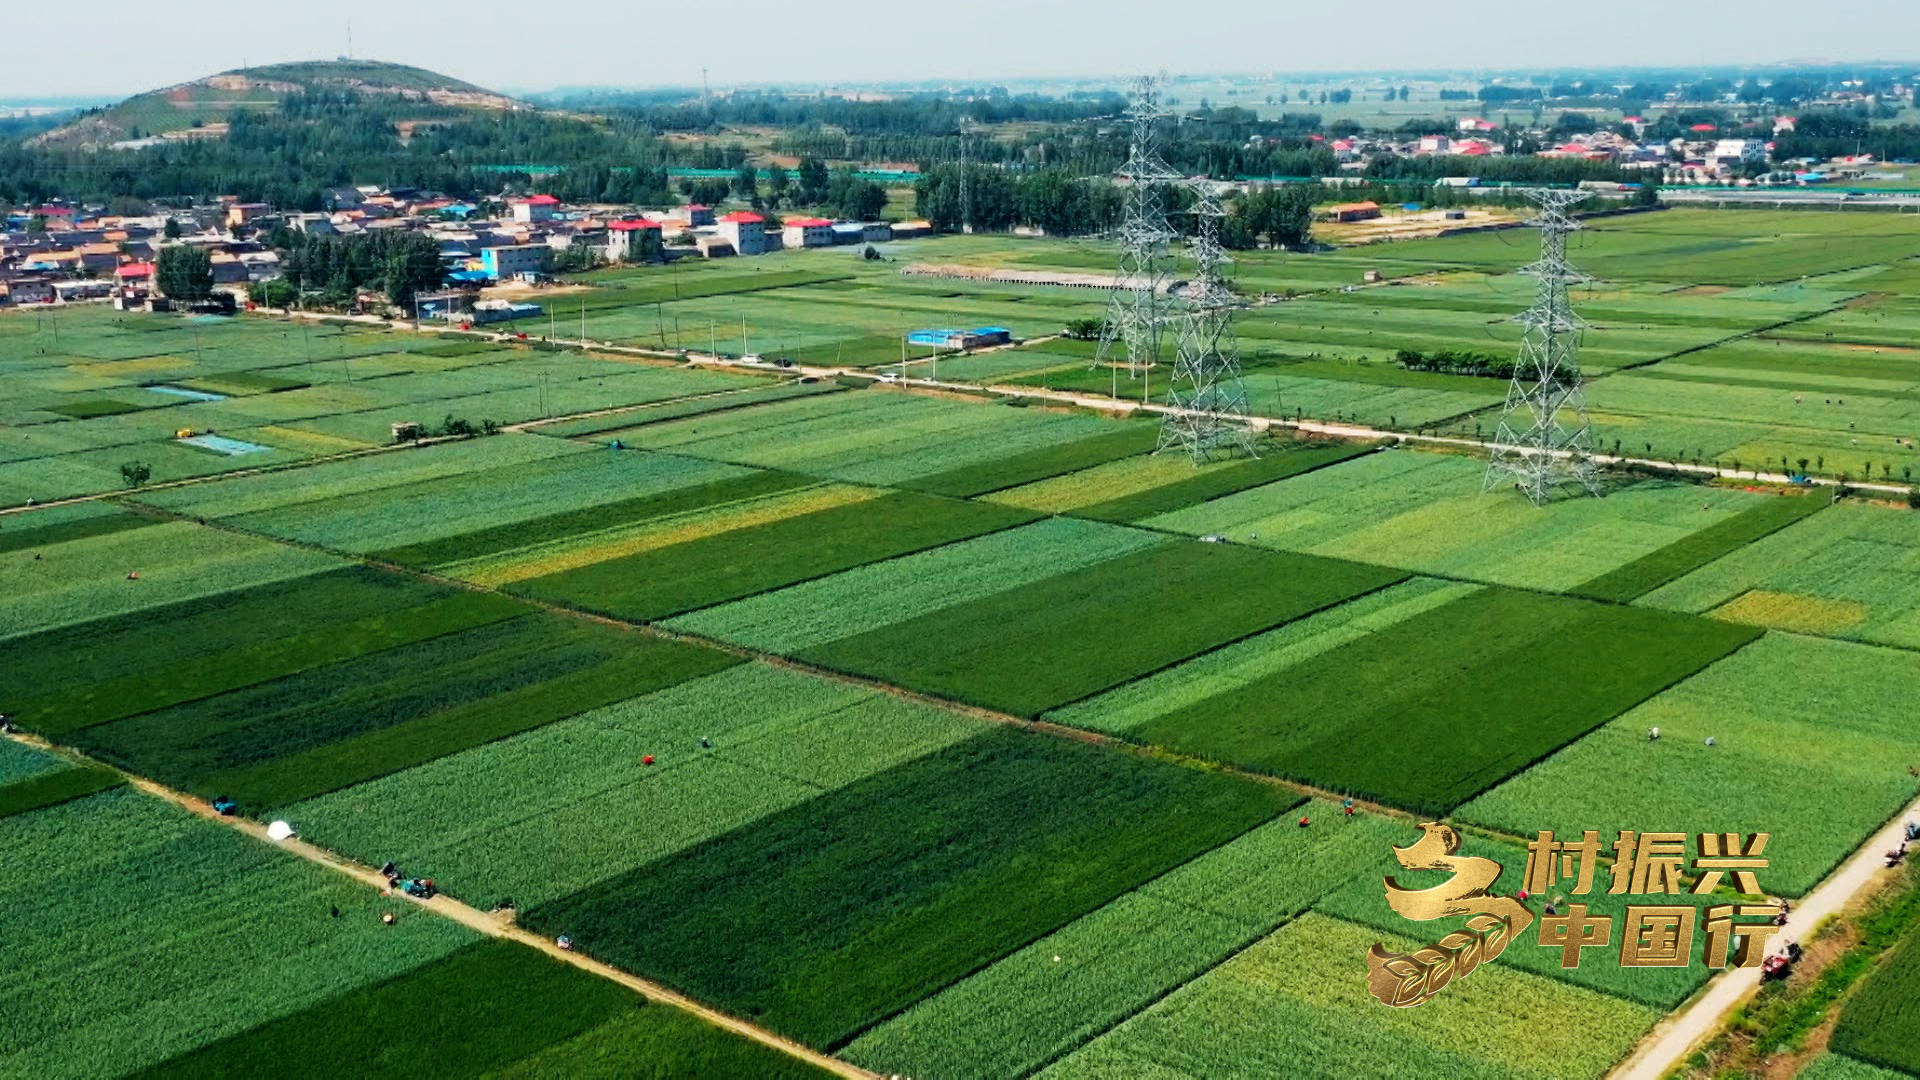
124	46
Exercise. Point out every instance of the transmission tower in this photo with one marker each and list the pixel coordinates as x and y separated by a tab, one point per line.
1137	313
1208	402
1543	442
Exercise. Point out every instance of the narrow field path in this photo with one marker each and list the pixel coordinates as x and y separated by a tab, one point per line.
492	925
1674	1037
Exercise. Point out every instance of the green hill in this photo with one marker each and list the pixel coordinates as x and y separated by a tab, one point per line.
200	107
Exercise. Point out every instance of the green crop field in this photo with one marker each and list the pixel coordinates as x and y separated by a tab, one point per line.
1023	650
82	401
561	808
1846	572
695	667
1455	673
881	594
135	932
1046	999
1875	1021
824	919
1841	1067
736	563
1427	513
331	726
517	1011
1768	704
1291	1004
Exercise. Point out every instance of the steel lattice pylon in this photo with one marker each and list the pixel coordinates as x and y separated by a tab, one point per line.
1137	313
1543	442
1206	398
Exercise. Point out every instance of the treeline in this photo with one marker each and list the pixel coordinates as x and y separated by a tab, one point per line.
1057	200
1064	203
1456	362
1824	135
320	140
1509	168
917	113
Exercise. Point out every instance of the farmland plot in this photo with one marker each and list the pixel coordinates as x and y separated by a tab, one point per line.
87	579
722	566
330	480
1851	572
136	931
1777	701
74	676
1427	513
333	726
555	810
515	1012
434	509
863	901
880	594
1024	650
1051	996
1490	701
1294	1002
1876	1022
1130	705
1830	1066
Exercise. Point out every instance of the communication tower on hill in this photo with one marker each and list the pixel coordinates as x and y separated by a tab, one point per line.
1208	399
1137	313
1543	442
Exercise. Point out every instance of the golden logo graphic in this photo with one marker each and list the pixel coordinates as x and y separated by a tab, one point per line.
1403	980
1643	863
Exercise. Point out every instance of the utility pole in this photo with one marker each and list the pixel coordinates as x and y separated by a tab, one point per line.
744	351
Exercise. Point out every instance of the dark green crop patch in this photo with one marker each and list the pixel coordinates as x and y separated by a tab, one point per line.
826	918
729	565
1039	646
1436	709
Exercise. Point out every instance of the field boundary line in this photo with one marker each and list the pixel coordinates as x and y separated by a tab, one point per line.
493	926
1679	1032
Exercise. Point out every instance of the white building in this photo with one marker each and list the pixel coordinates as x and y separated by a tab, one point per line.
806	232
744	231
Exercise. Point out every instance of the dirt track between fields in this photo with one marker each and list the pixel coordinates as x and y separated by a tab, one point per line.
1676	1036
492	925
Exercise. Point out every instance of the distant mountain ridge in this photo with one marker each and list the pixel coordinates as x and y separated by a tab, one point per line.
199	108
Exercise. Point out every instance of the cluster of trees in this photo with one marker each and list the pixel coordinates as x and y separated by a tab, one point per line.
1456	362
1273	216
1828	134
393	261
322	139
839	191
1515	168
915	113
1053	199
183	272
